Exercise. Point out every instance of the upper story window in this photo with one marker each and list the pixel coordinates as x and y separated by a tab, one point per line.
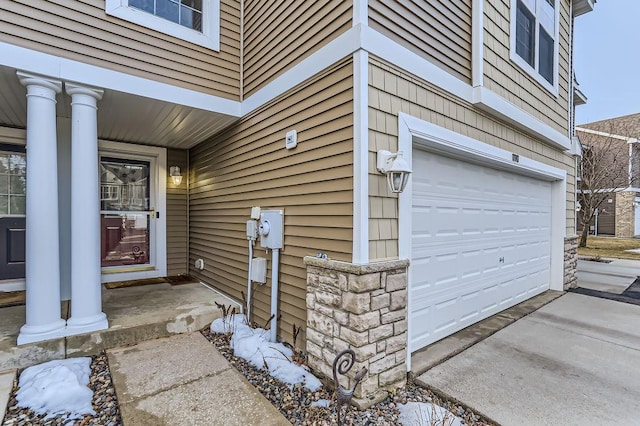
197	21
187	13
534	39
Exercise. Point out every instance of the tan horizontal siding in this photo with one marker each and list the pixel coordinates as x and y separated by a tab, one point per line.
508	80
278	35
247	165
386	84
81	31
438	30
177	211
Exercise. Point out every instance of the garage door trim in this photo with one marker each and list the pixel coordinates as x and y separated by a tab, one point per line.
415	132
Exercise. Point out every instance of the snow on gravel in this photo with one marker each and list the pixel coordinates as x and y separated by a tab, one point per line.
57	388
423	413
252	344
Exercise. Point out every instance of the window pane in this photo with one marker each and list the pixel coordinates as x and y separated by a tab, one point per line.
18	185
4	184
168	9
125	239
4	204
190	18
4	163
18	164
146	5
545	60
194	4
525	34
18	204
124	184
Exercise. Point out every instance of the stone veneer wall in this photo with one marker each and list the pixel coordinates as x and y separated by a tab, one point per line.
364	308
571	262
625	217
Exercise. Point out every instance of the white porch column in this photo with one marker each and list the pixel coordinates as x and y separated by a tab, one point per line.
86	296
43	320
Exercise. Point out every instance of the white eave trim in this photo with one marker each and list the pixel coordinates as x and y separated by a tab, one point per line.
489	101
579	98
68	70
580	7
358	37
606	134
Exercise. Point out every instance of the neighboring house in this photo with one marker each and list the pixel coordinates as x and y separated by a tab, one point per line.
476	94
619	214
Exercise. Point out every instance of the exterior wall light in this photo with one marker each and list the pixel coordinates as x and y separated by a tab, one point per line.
396	169
174	172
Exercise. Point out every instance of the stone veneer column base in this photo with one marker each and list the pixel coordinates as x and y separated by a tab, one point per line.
570	262
363	308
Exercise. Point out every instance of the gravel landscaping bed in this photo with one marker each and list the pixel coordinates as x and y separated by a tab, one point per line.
104	403
294	403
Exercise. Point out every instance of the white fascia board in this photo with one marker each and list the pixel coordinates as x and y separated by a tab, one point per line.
580	7
360	158
73	71
607	134
385	48
382	46
489	101
477	43
344	45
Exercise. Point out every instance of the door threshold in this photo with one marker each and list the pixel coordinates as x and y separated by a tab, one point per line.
7	286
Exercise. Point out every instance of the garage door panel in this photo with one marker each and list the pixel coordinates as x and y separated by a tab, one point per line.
480	243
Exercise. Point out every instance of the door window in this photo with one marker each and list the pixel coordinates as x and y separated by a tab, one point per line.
125	212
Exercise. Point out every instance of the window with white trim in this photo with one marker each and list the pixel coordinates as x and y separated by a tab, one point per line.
196	21
534	39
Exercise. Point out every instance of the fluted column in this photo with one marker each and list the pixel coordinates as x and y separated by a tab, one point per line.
43	319
86	296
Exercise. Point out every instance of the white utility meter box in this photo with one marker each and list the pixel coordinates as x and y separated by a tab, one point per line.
259	270
271	229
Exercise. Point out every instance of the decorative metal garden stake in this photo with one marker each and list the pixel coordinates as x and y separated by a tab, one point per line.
343	396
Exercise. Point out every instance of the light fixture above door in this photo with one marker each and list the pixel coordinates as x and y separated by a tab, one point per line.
176	177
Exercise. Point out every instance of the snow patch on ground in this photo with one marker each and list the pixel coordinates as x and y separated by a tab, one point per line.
424	413
324	403
253	345
57	387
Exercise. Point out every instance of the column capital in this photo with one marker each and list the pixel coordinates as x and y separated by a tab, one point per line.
28	79
77	89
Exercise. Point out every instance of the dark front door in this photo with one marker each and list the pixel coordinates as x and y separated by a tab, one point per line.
12	247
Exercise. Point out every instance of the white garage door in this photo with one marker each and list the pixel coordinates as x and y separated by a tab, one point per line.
480	244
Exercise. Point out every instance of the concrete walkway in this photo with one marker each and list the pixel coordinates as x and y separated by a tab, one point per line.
573	362
184	380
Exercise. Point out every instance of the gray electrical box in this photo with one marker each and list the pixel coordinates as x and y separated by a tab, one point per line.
271	229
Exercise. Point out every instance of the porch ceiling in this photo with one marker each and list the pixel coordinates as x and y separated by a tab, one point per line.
123	117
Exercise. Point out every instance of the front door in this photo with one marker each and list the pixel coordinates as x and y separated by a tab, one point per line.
129	192
13	175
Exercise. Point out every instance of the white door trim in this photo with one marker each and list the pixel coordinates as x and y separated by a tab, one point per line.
414	131
160	183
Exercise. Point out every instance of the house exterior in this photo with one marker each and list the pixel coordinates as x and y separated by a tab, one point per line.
478	96
619	214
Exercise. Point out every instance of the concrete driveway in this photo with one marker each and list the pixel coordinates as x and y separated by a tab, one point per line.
576	361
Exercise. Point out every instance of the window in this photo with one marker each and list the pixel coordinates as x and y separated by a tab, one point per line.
13	179
534	28
197	21
187	13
